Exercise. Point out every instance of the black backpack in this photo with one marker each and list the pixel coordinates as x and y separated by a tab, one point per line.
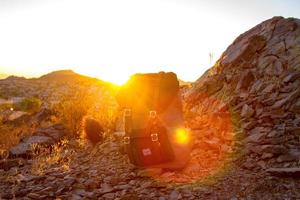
152	110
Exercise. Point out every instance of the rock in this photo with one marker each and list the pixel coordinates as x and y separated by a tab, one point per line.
247	111
56	132
292	155
278	68
174	195
16	114
212	86
269	88
285	172
34	195
108	196
274	149
130	197
290	77
24	149
91	184
255	138
22	192
69	181
122	187
267	155
106	188
6	195
296	107
256	86
249	125
149	172
42	137
76	197
7	164
249	164
280	103
261	164
83	193
43	114
132	182
246	79
286	100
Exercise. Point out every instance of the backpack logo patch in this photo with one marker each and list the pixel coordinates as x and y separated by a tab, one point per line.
147	152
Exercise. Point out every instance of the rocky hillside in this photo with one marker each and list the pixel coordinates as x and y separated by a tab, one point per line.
257	81
58	97
244	115
48	87
2	76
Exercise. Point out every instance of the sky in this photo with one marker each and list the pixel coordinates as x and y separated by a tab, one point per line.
112	39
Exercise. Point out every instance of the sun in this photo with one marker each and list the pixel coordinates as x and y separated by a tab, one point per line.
119	80
117	77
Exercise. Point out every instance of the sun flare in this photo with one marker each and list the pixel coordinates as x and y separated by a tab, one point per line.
119	77
182	136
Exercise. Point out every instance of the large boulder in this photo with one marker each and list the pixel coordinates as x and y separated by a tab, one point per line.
260	90
42	137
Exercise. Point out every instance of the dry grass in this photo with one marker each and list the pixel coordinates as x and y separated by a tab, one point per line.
72	109
31	105
98	104
58	155
11	135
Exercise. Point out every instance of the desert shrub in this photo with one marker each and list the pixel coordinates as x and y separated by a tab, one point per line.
93	130
10	135
60	156
95	102
105	110
32	104
71	110
6	106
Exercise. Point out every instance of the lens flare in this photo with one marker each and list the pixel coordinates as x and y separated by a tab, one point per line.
211	137
182	136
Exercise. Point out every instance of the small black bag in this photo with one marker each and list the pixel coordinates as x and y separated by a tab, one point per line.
149	146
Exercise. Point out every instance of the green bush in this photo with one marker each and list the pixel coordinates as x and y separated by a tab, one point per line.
32	104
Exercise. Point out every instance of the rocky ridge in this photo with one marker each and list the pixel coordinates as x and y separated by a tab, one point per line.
49	88
257	81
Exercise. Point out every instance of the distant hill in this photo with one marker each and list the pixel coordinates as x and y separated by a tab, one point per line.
66	76
49	87
3	76
55	76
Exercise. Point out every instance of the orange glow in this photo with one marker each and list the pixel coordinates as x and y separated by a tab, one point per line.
211	136
182	136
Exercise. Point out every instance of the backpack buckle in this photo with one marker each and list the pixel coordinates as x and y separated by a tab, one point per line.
154	137
127	112
152	113
126	140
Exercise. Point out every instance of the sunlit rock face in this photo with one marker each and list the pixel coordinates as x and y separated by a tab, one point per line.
255	85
